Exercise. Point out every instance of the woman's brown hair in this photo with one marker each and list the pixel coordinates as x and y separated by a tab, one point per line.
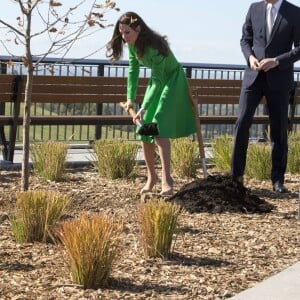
146	38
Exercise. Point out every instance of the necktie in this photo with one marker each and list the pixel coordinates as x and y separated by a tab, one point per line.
270	19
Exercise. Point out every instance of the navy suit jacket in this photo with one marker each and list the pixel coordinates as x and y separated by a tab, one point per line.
284	43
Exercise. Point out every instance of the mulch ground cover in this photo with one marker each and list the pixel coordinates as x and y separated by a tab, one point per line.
230	237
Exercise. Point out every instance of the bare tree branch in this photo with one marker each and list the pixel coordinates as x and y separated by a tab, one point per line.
12	28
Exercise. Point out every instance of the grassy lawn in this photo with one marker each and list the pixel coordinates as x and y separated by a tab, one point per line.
69	133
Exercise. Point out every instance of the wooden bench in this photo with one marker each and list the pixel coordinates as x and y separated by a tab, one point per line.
64	90
101	90
225	93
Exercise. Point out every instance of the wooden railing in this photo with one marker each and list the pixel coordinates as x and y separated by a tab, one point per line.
107	90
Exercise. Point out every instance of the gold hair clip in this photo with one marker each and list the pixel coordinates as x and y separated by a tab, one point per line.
132	20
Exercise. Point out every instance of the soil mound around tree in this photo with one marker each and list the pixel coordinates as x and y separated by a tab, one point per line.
216	194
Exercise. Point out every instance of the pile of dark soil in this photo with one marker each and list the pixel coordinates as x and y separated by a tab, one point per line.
217	194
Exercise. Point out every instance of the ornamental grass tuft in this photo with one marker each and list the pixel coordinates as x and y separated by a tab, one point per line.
158	221
93	245
222	147
184	157
258	161
115	158
37	213
293	163
49	159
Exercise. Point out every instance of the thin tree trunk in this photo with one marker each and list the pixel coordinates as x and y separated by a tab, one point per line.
26	130
27	103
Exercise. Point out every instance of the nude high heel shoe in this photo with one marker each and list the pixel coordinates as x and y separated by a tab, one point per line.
148	188
168	191
145	190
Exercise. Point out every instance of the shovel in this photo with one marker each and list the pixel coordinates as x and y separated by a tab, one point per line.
149	129
199	134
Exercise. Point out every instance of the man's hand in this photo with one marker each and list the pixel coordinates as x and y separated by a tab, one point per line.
267	64
254	63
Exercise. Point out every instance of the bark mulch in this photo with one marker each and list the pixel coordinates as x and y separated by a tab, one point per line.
229	238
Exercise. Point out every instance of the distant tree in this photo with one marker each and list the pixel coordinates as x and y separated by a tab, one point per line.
59	29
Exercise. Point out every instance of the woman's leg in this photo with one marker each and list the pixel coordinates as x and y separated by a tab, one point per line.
149	152
164	149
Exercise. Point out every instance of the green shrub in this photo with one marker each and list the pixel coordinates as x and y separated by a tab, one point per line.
293	163
184	157
115	158
222	147
92	243
49	159
37	212
258	161
158	221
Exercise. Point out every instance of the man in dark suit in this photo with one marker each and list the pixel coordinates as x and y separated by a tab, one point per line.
270	54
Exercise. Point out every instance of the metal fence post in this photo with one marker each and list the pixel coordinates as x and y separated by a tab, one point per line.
3	70
99	107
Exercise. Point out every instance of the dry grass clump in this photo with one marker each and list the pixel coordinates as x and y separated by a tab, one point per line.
258	156
293	163
37	213
184	157
158	221
259	161
49	159
115	158
222	147
92	243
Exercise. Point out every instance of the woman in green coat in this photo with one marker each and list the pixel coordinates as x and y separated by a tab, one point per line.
166	101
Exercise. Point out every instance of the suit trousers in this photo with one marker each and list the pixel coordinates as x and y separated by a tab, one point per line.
277	103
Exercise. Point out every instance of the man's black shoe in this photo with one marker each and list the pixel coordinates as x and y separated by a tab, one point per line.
239	179
278	187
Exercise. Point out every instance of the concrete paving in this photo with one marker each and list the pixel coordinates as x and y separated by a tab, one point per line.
283	286
76	157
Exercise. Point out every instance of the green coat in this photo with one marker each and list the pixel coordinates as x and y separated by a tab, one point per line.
166	99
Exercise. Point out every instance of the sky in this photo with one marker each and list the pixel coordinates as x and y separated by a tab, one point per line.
198	31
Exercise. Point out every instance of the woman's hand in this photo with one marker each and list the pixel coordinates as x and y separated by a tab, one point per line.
128	104
139	116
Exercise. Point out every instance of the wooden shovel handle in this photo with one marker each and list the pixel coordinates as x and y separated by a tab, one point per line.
131	111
